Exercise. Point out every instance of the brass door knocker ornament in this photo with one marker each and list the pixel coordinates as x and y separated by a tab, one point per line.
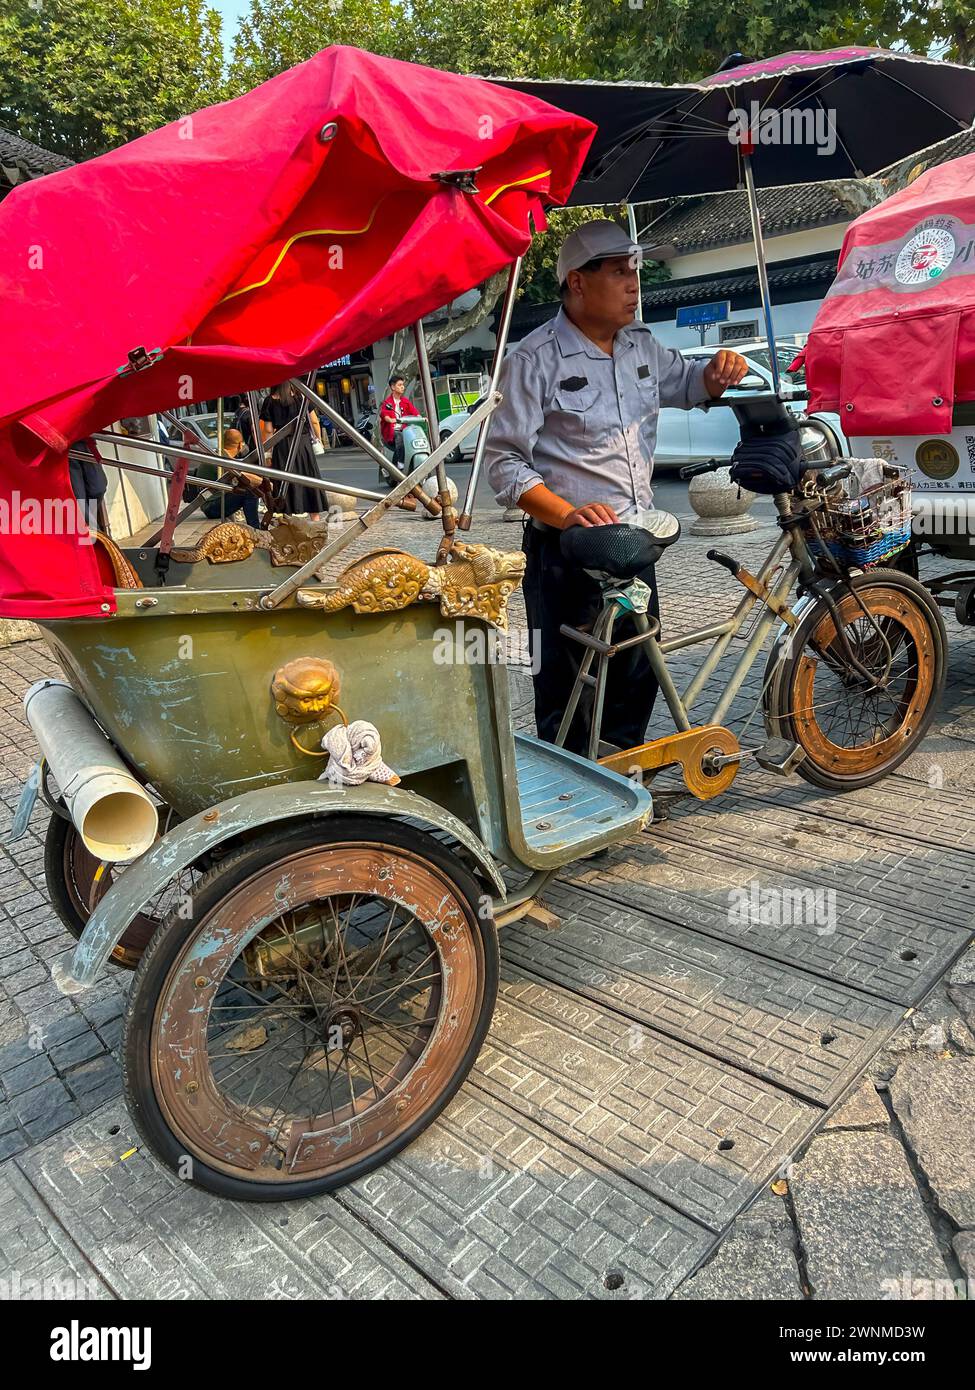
305	692
317	752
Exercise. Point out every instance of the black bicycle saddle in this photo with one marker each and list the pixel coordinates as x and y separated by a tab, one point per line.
621	552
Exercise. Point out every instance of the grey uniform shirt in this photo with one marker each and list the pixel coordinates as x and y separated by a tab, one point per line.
583	422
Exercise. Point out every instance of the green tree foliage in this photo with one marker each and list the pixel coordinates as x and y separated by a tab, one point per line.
643	40
475	36
944	28
538	278
82	76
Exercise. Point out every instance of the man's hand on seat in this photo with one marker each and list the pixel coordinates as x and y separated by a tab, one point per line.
551	509
592	514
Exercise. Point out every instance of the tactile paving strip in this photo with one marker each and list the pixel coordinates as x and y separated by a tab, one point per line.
484	1205
149	1235
492	1205
887	868
843	937
809	1035
695	1132
897	807
37	1259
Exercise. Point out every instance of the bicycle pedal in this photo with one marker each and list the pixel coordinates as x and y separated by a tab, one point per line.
779	755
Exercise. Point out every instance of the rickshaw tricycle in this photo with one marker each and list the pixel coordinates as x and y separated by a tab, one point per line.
316	956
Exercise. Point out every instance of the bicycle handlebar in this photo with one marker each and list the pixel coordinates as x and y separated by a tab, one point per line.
694	469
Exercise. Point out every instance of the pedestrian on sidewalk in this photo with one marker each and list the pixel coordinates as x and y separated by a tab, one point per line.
282	404
228	504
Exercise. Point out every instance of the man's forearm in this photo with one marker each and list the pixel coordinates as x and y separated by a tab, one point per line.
545	505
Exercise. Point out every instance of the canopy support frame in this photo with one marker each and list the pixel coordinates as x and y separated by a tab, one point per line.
448	513
284	590
341	423
756	221
501	343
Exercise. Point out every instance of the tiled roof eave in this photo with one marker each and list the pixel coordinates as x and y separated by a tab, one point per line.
745	282
28	160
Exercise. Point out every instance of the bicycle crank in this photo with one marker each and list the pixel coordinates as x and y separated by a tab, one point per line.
708	758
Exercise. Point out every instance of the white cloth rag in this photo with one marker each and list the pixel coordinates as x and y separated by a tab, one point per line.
355	755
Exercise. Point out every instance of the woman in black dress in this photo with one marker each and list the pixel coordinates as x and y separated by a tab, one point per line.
281	404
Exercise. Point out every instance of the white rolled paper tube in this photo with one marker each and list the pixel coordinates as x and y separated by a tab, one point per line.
112	812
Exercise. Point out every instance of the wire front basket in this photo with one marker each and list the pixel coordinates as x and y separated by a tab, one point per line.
867	517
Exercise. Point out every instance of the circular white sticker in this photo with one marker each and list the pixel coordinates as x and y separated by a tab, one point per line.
925	256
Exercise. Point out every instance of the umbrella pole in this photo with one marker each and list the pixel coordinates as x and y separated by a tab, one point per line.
746	158
631	219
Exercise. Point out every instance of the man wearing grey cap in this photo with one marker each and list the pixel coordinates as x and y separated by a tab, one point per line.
572	445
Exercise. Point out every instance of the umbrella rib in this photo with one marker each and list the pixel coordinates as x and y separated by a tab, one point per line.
920	95
858	173
646	166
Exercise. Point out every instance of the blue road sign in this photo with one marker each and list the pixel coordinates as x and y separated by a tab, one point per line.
696	315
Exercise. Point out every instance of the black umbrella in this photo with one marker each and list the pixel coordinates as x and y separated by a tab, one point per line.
796	118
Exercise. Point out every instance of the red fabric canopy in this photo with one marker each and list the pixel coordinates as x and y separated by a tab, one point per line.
893	345
248	248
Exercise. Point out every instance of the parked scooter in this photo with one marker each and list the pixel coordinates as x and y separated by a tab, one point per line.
366	423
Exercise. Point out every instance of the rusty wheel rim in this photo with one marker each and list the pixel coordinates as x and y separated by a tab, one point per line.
317	1012
843	726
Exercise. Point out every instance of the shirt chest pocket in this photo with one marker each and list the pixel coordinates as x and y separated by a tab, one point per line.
573	414
648	393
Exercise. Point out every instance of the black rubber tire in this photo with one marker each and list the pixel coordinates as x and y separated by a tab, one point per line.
166	944
68	899
778	707
454	456
58	838
906	561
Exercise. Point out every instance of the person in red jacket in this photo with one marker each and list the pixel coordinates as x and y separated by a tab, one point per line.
392	415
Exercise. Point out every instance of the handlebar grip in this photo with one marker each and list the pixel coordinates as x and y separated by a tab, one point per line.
720	558
693	469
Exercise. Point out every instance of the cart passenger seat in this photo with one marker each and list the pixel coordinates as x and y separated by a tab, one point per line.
113	567
619	552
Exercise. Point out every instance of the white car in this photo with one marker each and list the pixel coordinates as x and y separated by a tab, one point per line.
465	449
693	436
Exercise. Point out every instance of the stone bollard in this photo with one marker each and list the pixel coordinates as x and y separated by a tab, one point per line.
430	487
341	507
16	630
721	505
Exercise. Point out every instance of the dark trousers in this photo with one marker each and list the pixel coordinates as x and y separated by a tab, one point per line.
557	593
230	503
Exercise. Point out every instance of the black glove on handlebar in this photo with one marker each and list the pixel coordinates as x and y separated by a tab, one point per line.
769	458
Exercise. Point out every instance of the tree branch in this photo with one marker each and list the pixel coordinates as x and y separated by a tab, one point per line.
444	335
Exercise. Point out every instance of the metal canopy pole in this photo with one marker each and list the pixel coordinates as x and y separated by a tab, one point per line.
340	422
259	451
746	159
449	514
254	411
144	468
302	422
501	342
196	440
233	465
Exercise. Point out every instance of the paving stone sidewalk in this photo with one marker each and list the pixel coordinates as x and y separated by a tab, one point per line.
666	1106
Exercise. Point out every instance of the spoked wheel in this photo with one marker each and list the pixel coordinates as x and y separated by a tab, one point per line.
77	882
318	1005
855	729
